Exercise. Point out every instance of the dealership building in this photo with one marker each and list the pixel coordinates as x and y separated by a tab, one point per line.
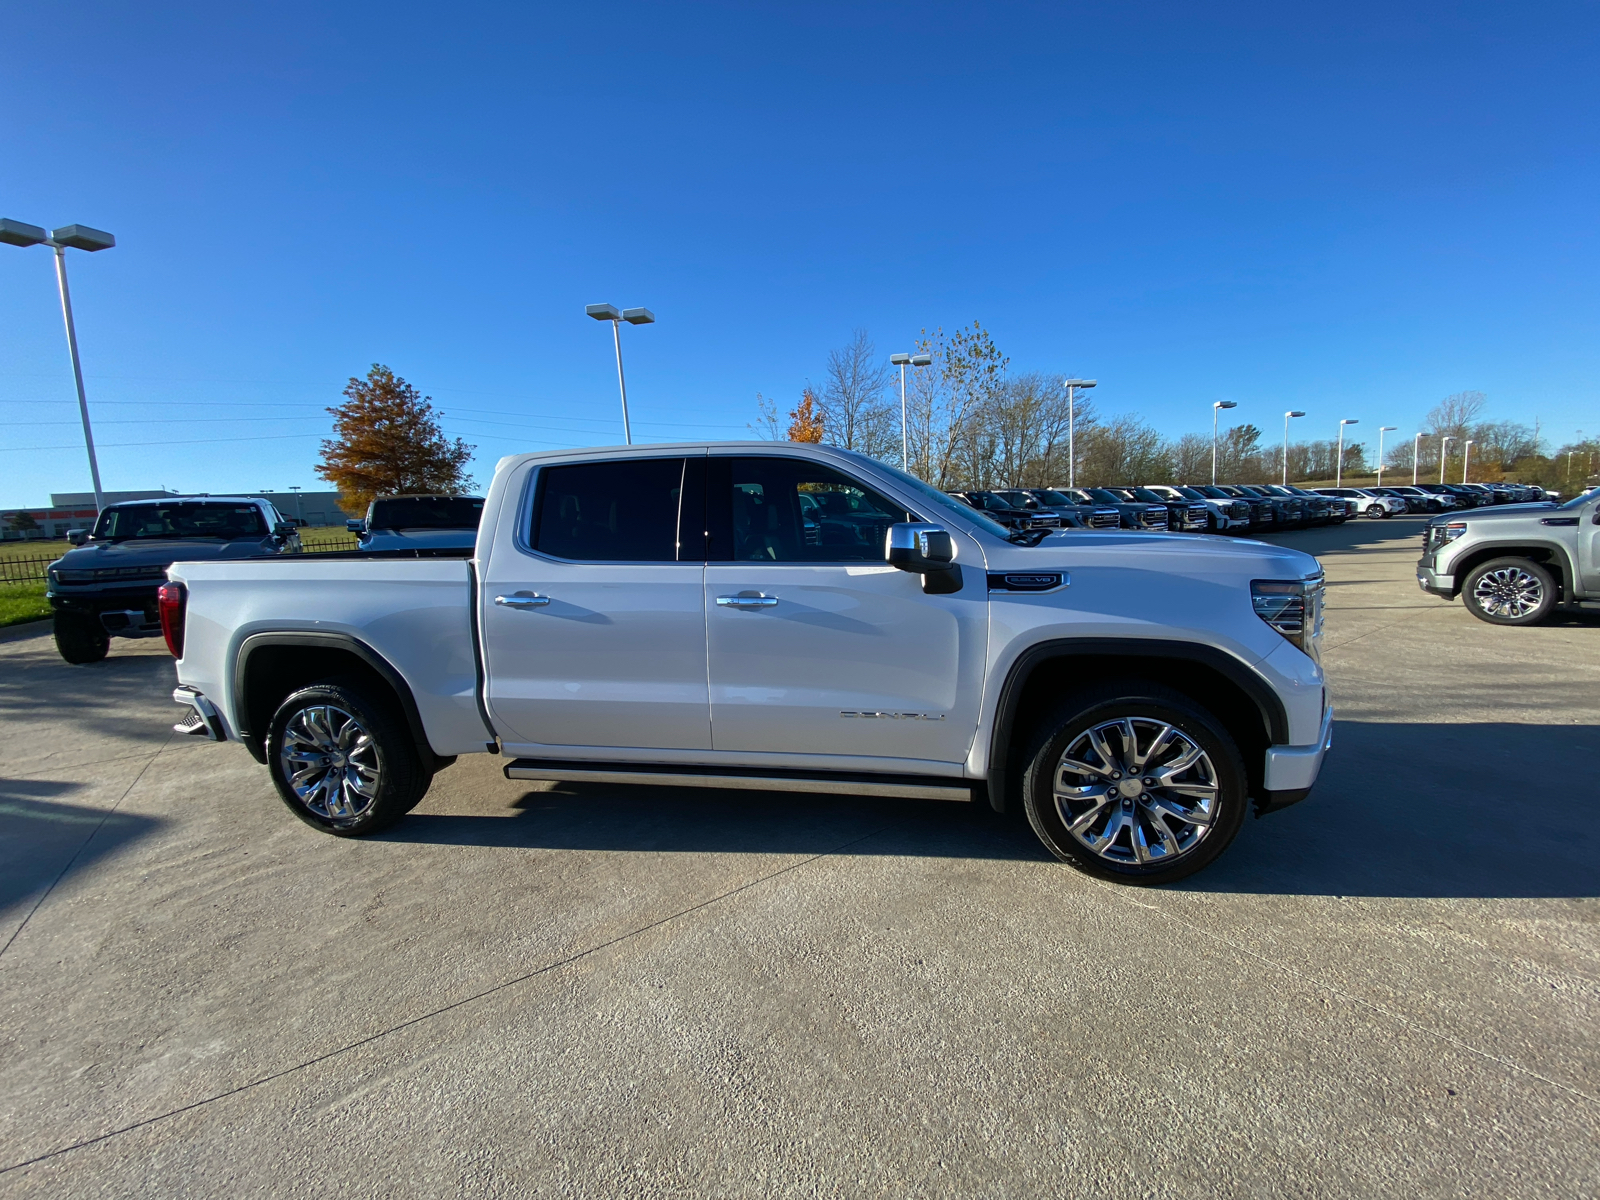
75	510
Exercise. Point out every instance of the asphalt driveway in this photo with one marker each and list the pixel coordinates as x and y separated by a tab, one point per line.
1391	990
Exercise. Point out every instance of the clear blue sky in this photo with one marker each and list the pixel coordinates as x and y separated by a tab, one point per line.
1354	210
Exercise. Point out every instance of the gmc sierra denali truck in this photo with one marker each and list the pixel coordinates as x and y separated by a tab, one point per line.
666	614
1512	564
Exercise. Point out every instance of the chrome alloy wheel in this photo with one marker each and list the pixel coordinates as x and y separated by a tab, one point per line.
1508	592
1136	791
330	762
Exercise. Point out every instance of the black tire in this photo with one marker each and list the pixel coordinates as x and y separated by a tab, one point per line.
1148	706
80	639
1510	591
329	719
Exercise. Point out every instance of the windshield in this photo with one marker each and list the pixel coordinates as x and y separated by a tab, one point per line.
948	503
426	512
1148	496
1580	501
1102	496
1052	497
1017	499
220	522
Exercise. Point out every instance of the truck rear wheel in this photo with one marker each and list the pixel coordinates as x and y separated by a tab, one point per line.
1135	783
80	639
1509	591
343	760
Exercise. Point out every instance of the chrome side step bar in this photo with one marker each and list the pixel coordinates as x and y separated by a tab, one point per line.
203	719
838	783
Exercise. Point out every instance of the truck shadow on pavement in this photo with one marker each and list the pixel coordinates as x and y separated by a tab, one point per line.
121	697
1471	811
39	836
1419	810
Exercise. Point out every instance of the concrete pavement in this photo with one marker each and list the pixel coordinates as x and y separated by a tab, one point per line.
1391	990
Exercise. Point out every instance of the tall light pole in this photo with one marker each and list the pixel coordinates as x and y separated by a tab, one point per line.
633	316
902	361
1383	429
1466	458
1416	448
78	237
1293	412
1444	447
1073	386
1338	461
1220	404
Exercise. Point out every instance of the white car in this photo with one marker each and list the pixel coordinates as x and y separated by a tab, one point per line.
669	615
1368	503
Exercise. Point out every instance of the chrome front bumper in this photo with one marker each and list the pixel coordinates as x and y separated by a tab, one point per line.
1295	768
203	719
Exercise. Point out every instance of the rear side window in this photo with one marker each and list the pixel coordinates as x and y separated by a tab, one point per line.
426	512
619	511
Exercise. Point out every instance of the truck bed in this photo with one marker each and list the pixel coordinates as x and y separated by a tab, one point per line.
414	612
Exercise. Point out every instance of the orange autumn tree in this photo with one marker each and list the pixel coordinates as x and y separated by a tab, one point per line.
805	419
387	442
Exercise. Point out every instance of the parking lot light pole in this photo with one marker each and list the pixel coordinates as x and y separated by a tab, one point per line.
1220	404
1293	412
1338	461
1383	429
1416	447
1466	458
77	237
1444	446
902	361
1073	386
633	316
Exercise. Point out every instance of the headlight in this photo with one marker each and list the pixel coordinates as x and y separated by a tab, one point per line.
1293	607
1440	535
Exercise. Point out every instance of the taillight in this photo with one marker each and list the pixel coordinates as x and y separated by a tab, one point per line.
170	602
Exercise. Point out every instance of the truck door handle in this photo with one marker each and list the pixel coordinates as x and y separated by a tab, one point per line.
522	601
747	601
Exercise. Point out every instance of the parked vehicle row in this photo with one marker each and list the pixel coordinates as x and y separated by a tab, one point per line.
1440	497
1161	507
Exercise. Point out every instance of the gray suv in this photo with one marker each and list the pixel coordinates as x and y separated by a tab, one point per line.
1512	564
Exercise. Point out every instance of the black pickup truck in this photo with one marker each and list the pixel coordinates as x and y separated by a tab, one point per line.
107	586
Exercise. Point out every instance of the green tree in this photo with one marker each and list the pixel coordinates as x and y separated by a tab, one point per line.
23	522
387	442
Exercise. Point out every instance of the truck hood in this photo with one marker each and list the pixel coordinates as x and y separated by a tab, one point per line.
1215	558
1500	512
159	552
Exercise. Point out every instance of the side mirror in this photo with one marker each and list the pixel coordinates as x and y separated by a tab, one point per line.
77	537
285	529
927	550
356	525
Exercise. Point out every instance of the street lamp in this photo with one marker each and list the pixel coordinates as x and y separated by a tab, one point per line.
1466	458
1416	447
78	237
901	361
1383	429
1220	404
1444	447
633	316
1072	386
1293	412
1338	462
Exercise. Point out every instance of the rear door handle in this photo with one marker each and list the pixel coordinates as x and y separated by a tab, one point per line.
747	601
522	601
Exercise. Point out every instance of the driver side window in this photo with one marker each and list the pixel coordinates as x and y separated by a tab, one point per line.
789	510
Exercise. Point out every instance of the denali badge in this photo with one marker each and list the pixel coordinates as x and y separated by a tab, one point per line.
1027	581
891	716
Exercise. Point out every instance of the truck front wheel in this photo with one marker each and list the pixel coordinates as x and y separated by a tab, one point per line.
343	760
1135	783
80	639
1509	591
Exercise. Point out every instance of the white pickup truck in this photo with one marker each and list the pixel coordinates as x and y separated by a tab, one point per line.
777	617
